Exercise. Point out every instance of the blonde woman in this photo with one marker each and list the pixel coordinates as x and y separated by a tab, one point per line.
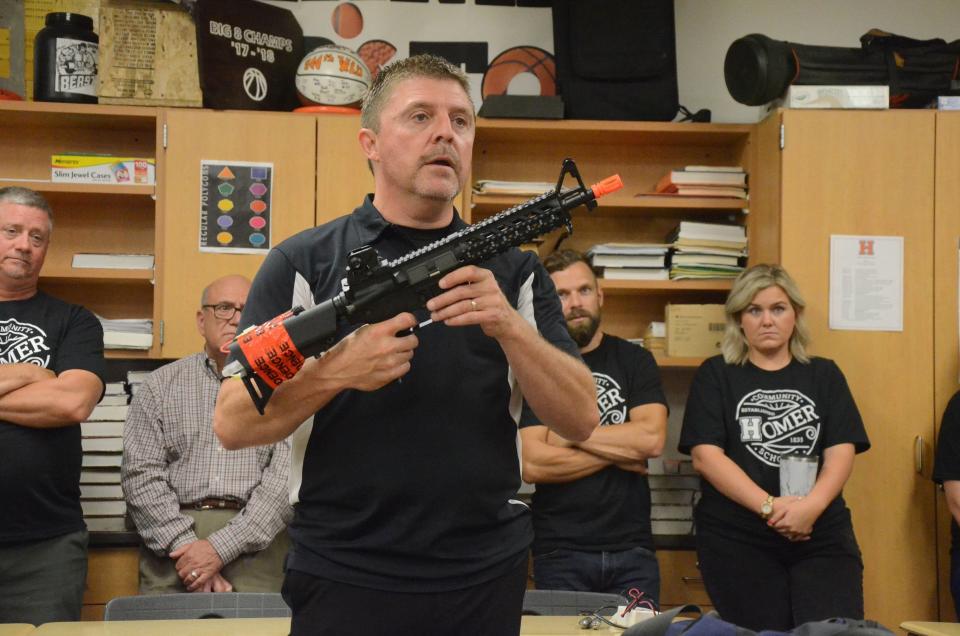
771	561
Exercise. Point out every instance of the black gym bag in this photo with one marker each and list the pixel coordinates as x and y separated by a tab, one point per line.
758	69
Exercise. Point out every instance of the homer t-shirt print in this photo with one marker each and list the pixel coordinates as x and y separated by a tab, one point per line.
778	422
610	400
23	342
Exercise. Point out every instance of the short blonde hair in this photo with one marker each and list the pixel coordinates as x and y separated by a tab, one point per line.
423	65
745	288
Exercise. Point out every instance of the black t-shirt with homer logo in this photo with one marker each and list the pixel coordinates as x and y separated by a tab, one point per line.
756	417
610	509
40	467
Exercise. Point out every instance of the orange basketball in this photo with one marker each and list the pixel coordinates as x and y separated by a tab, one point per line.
376	53
347	20
520	59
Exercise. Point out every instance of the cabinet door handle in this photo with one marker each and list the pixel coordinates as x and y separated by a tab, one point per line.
918	454
691	579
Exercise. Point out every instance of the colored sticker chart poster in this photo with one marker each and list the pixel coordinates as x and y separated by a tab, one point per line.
235	206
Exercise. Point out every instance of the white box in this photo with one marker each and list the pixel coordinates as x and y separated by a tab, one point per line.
869	97
948	102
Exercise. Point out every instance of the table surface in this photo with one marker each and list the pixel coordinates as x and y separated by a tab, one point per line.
924	628
530	626
15	629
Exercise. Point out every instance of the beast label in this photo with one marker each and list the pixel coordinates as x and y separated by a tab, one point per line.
776	423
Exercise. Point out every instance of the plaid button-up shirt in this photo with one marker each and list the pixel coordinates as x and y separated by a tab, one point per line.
171	457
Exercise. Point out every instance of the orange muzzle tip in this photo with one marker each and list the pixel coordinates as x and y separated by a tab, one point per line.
608	185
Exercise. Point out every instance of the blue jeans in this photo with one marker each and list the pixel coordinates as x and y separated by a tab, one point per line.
609	572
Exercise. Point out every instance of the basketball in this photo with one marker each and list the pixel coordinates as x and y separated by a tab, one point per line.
516	61
332	76
347	20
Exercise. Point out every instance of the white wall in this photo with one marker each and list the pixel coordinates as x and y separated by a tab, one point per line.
706	28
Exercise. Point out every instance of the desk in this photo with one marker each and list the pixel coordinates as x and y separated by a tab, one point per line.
530	626
16	629
931	629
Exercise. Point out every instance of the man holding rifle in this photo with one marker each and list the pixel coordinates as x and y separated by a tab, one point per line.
405	457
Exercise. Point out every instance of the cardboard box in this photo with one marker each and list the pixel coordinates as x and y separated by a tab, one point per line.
70	168
694	331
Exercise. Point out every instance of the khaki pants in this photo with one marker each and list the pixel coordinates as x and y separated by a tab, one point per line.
257	572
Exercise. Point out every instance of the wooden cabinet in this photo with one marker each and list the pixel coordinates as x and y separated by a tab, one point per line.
641	153
946	343
871	173
111	572
287	141
680	580
88	217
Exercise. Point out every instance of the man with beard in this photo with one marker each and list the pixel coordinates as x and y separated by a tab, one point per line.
405	461
591	508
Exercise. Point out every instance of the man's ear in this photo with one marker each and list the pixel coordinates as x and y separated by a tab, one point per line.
599	295
368	144
200	318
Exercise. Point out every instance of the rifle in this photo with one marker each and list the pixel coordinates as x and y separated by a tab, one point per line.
374	289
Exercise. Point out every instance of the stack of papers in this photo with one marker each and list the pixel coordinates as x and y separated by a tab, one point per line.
705	181
631	261
101	496
127	333
113	261
707	250
518	188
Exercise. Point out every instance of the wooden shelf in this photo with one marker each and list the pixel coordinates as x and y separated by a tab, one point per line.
484	205
93	275
664	286
664	361
81	188
74	116
127	354
603	132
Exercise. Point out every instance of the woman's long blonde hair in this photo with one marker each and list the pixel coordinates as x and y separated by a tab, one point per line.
747	285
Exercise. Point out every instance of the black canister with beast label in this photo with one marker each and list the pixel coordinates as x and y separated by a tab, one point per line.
65	60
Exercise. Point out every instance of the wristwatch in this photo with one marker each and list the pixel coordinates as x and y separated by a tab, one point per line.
766	508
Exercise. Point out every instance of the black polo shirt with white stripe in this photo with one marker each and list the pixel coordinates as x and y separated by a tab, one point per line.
411	487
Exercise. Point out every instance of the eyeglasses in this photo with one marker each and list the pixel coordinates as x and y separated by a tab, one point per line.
223	311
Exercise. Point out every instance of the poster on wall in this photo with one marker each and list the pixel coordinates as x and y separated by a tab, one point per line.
235	206
866	283
504	46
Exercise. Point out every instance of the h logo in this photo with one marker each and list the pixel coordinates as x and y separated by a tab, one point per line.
866	247
750	428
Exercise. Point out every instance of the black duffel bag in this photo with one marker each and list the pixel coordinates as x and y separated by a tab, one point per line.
616	59
758	69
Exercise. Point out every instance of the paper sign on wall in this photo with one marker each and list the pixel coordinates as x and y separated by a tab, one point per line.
866	283
235	206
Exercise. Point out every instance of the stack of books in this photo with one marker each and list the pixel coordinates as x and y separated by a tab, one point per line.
135	379
101	496
707	250
674	491
705	181
127	333
630	261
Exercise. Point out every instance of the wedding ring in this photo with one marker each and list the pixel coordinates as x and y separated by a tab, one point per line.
473	304
193	574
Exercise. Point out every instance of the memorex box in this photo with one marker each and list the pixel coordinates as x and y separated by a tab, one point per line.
80	168
837	97
694	331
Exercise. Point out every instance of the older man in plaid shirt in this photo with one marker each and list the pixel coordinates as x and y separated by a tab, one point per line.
211	520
